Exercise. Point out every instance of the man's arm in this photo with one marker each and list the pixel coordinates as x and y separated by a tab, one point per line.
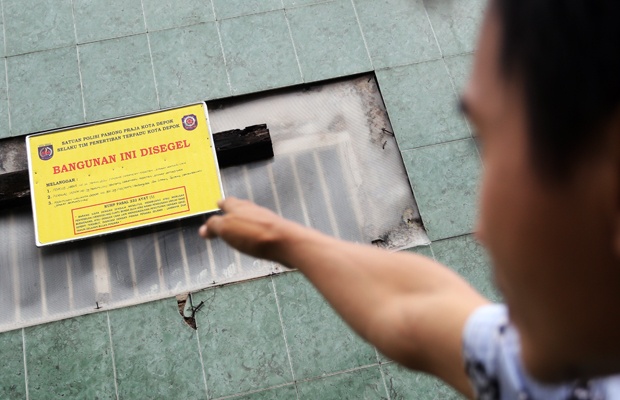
410	307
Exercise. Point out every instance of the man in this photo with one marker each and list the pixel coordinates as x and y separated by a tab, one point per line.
544	97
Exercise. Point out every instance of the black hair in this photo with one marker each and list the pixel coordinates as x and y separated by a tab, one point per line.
566	54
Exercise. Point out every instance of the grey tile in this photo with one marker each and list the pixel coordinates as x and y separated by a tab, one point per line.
280	393
165	14
406	384
235	8
469	259
44	90
4	102
156	353
456	23
421	103
241	336
397	32
328	40
259	52
444	179
99	20
319	341
189	65
118	77
35	25
460	68
12	381
364	384
70	358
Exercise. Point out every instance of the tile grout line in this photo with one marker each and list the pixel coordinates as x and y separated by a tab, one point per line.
359	25
240	395
112	354
6	68
387	392
3	27
286	346
312	379
433	251
25	365
457	95
219	35
202	365
213	9
148	41
344	371
432	29
435	144
77	51
290	34
409	64
8	100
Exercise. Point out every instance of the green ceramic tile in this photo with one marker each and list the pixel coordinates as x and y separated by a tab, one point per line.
44	90
421	103
280	393
364	384
404	384
259	52
2	41
397	32
156	353
189	65
165	14
70	358
4	102
118	77
319	341
301	3
464	255
444	179
12	381
235	8
35	25
422	250
243	347
99	20
456	23
460	68
328	40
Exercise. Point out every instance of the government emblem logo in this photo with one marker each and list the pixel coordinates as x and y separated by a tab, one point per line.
46	152
190	122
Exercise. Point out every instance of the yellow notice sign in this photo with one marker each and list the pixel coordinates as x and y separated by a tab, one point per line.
122	174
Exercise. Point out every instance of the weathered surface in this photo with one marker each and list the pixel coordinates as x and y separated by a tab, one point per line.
241	146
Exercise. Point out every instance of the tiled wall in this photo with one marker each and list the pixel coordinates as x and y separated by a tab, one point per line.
74	61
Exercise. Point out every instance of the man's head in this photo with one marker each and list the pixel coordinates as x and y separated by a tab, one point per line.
544	98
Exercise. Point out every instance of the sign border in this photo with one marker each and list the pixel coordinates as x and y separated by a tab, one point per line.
90	236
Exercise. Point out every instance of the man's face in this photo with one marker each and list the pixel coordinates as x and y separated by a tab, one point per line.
549	241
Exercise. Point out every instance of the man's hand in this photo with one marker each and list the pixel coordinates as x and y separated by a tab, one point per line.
410	307
251	229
